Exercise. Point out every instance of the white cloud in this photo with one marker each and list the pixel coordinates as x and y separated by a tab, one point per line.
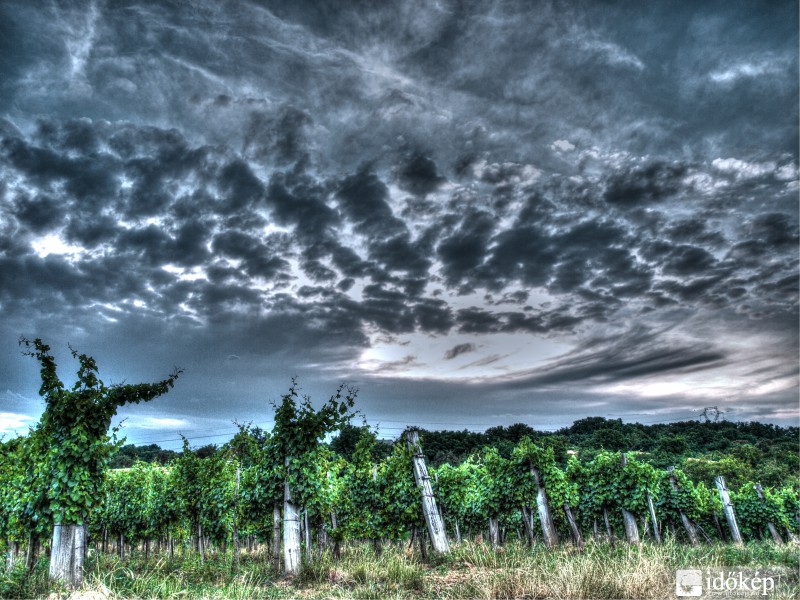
614	54
562	146
755	67
742	169
15	423
156	422
54	244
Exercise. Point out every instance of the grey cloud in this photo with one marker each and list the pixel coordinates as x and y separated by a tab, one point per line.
419	175
642	184
636	355
459	349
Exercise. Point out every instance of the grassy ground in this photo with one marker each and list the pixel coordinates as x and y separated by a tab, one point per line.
470	571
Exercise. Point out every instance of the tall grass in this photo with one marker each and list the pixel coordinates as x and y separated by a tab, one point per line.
472	570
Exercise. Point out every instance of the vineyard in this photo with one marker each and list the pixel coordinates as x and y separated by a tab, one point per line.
287	497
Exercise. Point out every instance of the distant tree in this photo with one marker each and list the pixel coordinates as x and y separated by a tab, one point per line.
589	425
609	438
670	450
345	443
206	451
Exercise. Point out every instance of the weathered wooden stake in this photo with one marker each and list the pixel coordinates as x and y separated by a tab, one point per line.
687	524
656	533
11	557
573	526
727	507
30	553
772	529
276	536
432	518
201	543
526	521
628	520
494	531
307	533
66	557
336	545
236	518
545	516
611	537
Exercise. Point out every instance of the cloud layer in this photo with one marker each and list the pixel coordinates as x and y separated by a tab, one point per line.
528	204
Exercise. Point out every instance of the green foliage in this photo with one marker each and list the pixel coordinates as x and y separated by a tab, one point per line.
402	508
71	439
735	471
753	513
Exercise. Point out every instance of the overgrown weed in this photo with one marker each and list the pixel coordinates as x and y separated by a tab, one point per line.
471	570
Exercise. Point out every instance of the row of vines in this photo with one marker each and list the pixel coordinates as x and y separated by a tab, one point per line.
287	490
230	499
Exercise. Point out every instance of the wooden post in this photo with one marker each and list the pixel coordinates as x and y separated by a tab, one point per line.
494	531
66	557
545	516
291	528
12	555
201	546
727	507
772	529
307	533
276	537
573	526
423	544
30	552
236	518
526	521
628	520
656	533
377	543
611	537
687	524
432	518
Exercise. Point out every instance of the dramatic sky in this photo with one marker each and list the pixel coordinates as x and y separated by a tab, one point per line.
476	212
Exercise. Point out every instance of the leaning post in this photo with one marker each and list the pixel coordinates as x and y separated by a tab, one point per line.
432	518
727	507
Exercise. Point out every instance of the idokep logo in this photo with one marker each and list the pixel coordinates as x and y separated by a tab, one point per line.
689	582
728	582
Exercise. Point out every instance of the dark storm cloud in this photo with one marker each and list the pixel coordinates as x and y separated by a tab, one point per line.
644	184
467	247
419	175
289	182
363	198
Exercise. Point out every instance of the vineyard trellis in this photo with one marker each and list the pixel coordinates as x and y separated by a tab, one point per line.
289	493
